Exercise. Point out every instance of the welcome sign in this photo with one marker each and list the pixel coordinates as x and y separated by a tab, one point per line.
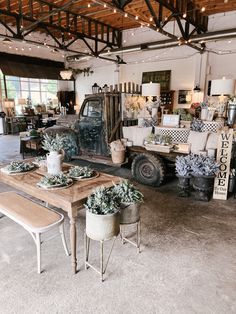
223	158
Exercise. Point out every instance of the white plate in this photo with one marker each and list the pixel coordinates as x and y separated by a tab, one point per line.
55	187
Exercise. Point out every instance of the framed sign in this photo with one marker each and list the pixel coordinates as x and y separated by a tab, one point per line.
223	158
170	120
162	77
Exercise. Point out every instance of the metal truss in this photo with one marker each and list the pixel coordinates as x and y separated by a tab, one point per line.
60	24
182	11
157	18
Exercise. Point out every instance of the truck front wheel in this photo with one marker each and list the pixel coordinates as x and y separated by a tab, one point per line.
148	169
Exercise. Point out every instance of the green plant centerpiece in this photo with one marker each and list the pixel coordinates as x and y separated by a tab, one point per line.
130	199
53	144
52	181
203	170
102	214
19	166
78	172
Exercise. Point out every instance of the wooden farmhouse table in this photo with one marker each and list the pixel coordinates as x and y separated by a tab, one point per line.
70	199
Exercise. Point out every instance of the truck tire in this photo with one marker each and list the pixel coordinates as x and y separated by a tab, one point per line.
148	169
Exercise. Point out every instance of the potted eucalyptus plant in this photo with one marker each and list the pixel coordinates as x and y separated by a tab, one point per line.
130	199
102	214
183	172
203	169
53	144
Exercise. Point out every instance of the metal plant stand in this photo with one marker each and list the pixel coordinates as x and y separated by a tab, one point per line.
103	265
138	235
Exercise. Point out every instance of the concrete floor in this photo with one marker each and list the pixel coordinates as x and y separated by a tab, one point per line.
187	264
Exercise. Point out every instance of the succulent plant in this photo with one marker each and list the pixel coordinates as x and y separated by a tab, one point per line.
103	201
127	193
55	180
19	166
81	172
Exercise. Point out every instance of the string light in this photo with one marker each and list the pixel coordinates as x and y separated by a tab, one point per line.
114	10
151	19
89	5
184	15
126	14
136	17
105	5
203	9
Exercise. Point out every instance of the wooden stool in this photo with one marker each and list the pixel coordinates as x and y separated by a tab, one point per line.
36	219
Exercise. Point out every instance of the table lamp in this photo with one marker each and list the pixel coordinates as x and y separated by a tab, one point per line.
22	102
151	90
9	105
222	88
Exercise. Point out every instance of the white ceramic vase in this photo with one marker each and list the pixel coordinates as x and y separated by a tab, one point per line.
204	114
102	227
54	162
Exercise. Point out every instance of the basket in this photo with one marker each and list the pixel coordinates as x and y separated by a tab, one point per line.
118	157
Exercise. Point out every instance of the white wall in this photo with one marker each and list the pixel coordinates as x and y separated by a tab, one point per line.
182	75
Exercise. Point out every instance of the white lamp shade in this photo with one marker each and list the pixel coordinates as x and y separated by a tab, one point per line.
151	89
222	87
66	74
9	103
197	97
22	101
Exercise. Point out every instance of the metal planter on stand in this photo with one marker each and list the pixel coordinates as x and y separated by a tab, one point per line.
184	186
204	187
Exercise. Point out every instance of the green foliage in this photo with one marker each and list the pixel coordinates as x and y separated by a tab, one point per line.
159	139
127	193
52	143
55	180
184	114
19	166
80	172
102	202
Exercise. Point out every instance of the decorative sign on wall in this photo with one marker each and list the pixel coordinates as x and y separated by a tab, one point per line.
184	97
223	158
162	77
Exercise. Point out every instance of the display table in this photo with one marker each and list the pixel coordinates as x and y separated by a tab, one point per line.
69	200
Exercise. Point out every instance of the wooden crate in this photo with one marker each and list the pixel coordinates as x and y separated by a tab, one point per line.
159	148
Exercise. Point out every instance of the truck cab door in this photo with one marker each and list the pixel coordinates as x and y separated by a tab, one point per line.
91	127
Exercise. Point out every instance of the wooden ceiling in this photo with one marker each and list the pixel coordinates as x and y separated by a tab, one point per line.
103	20
93	9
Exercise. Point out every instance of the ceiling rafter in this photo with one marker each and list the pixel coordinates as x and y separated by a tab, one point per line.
56	21
149	24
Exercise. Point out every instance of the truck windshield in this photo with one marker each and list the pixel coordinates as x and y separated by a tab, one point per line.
92	109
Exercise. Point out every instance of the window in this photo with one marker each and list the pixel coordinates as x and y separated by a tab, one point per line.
92	109
36	91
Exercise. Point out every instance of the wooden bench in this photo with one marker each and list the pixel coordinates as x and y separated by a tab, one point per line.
36	219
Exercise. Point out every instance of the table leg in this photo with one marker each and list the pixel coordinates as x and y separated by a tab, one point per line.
73	238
